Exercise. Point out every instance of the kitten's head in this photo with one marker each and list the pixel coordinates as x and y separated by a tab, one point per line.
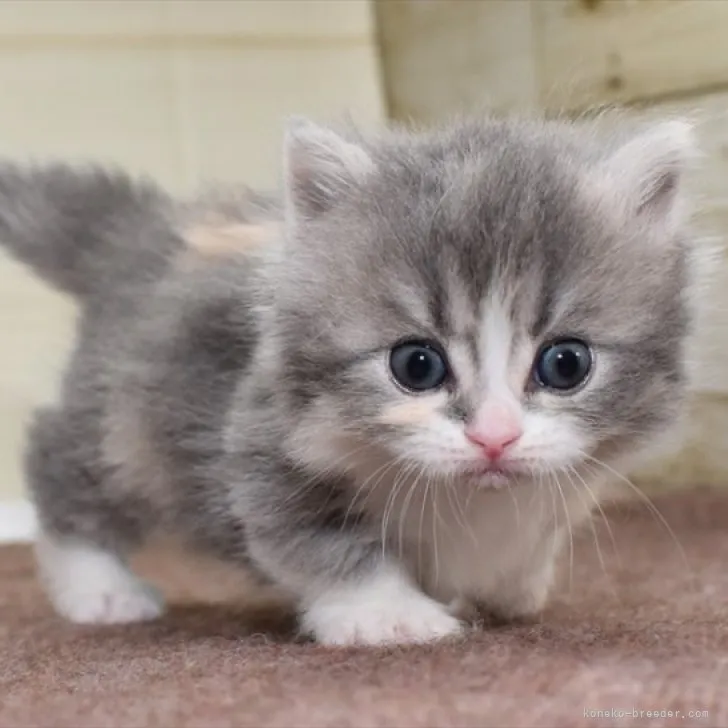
500	297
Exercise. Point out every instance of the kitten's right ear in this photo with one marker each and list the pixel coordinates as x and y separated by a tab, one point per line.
646	173
319	166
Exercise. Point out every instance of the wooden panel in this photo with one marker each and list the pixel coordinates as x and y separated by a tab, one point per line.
596	51
235	102
445	56
110	105
111	19
291	18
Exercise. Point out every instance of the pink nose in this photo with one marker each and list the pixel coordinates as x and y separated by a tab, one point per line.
494	442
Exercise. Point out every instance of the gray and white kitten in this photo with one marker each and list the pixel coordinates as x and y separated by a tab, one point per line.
395	408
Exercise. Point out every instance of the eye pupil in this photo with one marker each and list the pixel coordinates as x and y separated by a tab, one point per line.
563	365
567	363
418	366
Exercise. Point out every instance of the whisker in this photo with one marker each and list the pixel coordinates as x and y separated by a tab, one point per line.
603	515
419	534
515	504
541	496
387	513
650	505
457	508
571	533
468	499
383	469
557	530
435	519
318	475
597	545
406	504
554	509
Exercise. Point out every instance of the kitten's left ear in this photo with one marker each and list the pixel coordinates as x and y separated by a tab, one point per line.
646	172
319	167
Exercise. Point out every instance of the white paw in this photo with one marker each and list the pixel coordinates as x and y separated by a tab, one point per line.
131	602
91	586
409	623
384	611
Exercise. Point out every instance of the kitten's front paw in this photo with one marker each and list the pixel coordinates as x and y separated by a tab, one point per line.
382	612
411	622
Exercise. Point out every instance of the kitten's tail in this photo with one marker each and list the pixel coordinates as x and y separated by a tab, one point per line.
85	230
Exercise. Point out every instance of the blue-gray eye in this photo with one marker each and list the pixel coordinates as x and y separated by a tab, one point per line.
418	366
563	364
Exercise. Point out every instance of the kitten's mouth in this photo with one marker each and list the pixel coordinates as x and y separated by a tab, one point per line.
491	475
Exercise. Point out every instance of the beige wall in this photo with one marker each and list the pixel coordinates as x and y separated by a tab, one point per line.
184	91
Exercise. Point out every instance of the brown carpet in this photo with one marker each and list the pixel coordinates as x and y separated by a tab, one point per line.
649	632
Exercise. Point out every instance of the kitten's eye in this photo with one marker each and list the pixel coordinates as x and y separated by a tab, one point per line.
563	364
418	366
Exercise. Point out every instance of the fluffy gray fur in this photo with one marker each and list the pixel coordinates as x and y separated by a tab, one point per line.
243	401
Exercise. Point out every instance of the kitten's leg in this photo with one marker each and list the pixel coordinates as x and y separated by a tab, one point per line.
88	584
85	533
349	592
523	594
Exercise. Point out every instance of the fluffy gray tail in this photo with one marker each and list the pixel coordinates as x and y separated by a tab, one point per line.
85	230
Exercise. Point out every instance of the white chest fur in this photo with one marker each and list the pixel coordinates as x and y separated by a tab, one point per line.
493	546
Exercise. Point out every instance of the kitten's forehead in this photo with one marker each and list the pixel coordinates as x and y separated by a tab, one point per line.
472	249
515	227
449	224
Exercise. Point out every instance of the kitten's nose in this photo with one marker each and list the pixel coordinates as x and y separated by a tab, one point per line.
496	426
494	441
494	444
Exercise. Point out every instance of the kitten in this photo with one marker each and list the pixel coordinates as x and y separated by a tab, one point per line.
396	402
